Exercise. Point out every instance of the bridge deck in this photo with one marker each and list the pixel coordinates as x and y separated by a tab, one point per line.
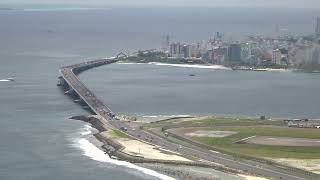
69	75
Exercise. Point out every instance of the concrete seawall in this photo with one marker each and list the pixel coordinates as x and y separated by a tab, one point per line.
104	120
113	148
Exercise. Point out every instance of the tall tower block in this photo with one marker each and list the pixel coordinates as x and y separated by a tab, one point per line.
318	27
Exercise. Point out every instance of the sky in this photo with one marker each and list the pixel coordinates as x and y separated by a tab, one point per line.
206	3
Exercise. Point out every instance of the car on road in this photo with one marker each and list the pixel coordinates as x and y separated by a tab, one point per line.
123	129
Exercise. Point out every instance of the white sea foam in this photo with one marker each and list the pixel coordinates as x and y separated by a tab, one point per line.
4	80
87	130
96	154
192	66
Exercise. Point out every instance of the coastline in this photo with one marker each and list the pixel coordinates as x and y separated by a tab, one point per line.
207	66
106	120
170	168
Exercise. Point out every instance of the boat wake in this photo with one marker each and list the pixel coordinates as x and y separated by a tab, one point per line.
7	80
96	154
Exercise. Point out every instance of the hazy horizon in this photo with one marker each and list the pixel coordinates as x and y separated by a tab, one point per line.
174	3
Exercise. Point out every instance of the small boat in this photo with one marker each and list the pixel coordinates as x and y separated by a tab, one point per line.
10	79
192	75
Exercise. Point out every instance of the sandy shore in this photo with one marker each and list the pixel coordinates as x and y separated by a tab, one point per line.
252	177
160	160
137	148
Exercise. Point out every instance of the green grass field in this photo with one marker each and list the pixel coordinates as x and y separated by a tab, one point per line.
227	143
209	122
231	122
248	127
119	134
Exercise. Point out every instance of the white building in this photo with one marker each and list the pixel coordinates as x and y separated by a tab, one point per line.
276	57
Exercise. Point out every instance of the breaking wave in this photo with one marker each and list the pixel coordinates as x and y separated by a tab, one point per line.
87	130
96	154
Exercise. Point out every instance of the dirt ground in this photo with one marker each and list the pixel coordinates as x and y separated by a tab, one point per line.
138	148
216	134
283	141
201	132
312	165
252	177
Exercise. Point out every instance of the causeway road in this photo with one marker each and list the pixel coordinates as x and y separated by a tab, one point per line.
106	116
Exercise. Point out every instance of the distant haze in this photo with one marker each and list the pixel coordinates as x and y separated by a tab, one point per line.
240	3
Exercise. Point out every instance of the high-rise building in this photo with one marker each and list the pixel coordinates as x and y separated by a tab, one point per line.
276	56
315	55
167	42
195	50
234	52
318	27
176	50
218	38
208	56
186	51
220	54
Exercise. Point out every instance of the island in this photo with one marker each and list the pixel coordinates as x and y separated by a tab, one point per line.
199	147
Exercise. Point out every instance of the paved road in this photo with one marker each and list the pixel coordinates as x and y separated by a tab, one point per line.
107	116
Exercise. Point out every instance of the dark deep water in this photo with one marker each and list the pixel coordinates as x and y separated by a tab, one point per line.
37	140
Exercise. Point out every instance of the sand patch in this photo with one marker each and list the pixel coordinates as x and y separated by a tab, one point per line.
215	134
137	148
252	177
312	165
283	141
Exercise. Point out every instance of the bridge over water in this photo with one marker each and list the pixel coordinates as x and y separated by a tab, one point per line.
70	80
76	88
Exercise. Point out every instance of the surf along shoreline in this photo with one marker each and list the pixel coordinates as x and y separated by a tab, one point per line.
116	149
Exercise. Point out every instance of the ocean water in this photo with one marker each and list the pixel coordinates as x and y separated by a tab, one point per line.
163	89
37	139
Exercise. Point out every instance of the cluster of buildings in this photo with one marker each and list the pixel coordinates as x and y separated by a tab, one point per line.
303	123
215	50
254	50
